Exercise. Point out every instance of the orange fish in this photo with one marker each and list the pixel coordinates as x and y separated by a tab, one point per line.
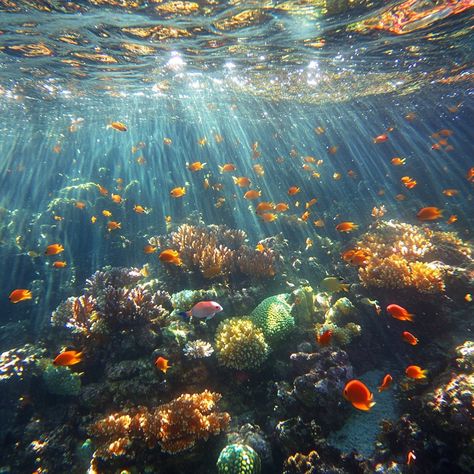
57	148
452	219
106	213
252	194
202	141
305	216
218	138
400	197
259	171
227	168
398	312
309	159
196	166
325	338
410	338
80	204
319	223
446	132
381	138
307	167
102	190
281	207
429	214
411	458
450	192
20	295
359	395
150	249
268	217
408	182
116	198
54	249
170	256
68	358
346	226
140	160
333	149
139	209
260	248
336	176
386	382
178	192
59	264
167	141
316	175
264	206
138	146
357	258
113	225
58	218
468	297
470	175
415	372
119	126
320	130
293	190
397	161
410	116
162	364
241	181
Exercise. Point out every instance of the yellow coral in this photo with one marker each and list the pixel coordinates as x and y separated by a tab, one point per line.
240	344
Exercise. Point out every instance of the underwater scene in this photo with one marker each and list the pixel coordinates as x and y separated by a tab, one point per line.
237	237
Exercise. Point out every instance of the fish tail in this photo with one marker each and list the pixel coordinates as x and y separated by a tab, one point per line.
423	374
410	317
345	286
186	315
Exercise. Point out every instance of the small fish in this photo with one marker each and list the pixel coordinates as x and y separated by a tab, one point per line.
415	372
410	338
281	207
168	219
398	312
252	194
139	209
373	303
429	214
400	197
305	216
398	161
346	226
450	192
162	364
259	170
196	166
410	116
116	198
264	206
20	295
468	297
378	211
332	150
102	190
170	256
57	148
167	141
292	190
381	138
452	219
113	225
93	219
203	310
470	175
411	458
260	248
218	138
325	338
58	218
140	160
241	181
202	141
68	358
119	126
309	159
334	284
268	217
148	249
80	205
336	176
311	202
227	168
106	213
138	146
145	271
408	182
54	249
32	254
359	395
59	264
319	223
386	382
309	243
178	192
320	130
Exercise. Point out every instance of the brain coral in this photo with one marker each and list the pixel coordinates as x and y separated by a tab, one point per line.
273	317
240	344
238	459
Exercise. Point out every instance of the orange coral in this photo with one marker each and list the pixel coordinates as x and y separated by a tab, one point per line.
175	426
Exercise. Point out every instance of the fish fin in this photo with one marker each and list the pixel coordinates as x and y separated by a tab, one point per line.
410	317
186	315
345	286
423	374
363	406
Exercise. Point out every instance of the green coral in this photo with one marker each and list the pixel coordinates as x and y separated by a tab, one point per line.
240	344
339	313
273	317
238	459
61	381
303	305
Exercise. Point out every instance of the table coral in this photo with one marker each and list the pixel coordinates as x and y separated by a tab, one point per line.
175	426
240	344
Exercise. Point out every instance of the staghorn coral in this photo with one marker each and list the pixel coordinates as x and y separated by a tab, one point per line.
403	256
176	426
273	317
197	349
240	344
217	252
238	459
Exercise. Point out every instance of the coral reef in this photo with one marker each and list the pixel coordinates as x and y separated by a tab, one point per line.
217	252
61	381
197	349
240	344
238	459
273	317
403	256
176	426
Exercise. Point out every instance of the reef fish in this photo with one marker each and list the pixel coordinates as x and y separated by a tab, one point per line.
20	295
119	126
334	284
386	382
170	256
204	310
325	338
54	249
410	338
346	226
359	395
162	364
398	312
429	214
68	358
415	372
178	192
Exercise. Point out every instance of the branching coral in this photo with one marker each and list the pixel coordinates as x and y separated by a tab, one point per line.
217	252
176	426
240	344
197	349
405	256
